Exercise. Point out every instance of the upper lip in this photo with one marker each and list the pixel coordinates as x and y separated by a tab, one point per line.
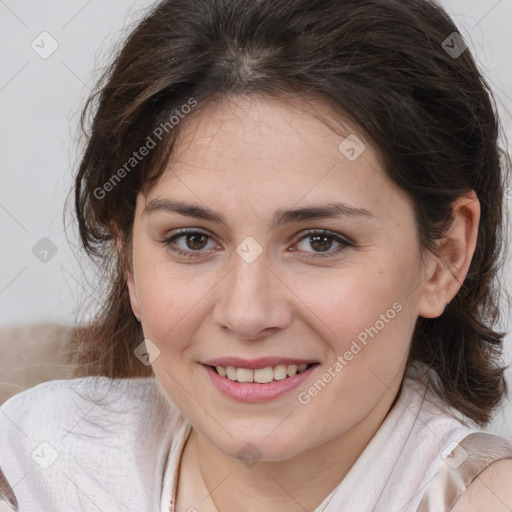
254	364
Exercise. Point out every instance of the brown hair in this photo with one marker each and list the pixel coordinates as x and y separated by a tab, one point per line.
385	65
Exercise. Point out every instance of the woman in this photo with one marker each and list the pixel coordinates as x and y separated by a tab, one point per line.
298	209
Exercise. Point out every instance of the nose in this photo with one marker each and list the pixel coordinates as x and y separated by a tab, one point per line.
253	300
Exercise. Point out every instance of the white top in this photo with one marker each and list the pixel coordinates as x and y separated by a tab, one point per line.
61	452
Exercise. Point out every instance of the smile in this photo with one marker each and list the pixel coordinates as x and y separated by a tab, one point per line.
245	384
261	375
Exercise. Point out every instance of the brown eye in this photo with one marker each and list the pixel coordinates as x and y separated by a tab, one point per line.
194	242
321	241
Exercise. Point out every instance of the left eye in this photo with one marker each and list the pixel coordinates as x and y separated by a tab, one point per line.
322	241
196	241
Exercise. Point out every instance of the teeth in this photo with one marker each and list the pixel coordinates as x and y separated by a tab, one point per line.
244	375
292	370
280	372
261	375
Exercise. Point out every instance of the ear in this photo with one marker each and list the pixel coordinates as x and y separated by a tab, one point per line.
130	281
447	269
134	301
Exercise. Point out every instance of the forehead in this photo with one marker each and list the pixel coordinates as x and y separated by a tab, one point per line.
262	150
261	126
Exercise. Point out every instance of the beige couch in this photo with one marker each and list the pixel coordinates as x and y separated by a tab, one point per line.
32	354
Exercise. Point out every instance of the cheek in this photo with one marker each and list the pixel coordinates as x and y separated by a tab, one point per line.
366	323
346	305
366	318
170	303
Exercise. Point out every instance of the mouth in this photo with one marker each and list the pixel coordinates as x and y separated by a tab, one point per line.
253	385
261	375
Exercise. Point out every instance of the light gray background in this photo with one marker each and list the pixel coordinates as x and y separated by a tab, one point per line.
40	101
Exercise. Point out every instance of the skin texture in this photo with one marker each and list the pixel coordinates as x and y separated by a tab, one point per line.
247	158
490	491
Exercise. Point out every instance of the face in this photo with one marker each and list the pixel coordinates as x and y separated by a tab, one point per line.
341	291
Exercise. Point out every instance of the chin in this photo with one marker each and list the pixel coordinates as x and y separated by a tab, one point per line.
256	447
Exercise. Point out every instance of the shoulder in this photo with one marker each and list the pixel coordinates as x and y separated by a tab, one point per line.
82	411
59	401
67	395
66	435
491	491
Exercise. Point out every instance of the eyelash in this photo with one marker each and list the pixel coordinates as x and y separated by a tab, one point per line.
190	254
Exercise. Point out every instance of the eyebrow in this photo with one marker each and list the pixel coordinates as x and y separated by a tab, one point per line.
331	210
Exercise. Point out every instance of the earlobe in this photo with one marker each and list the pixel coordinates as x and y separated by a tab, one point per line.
448	268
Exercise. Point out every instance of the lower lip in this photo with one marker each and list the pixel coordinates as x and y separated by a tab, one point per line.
250	392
